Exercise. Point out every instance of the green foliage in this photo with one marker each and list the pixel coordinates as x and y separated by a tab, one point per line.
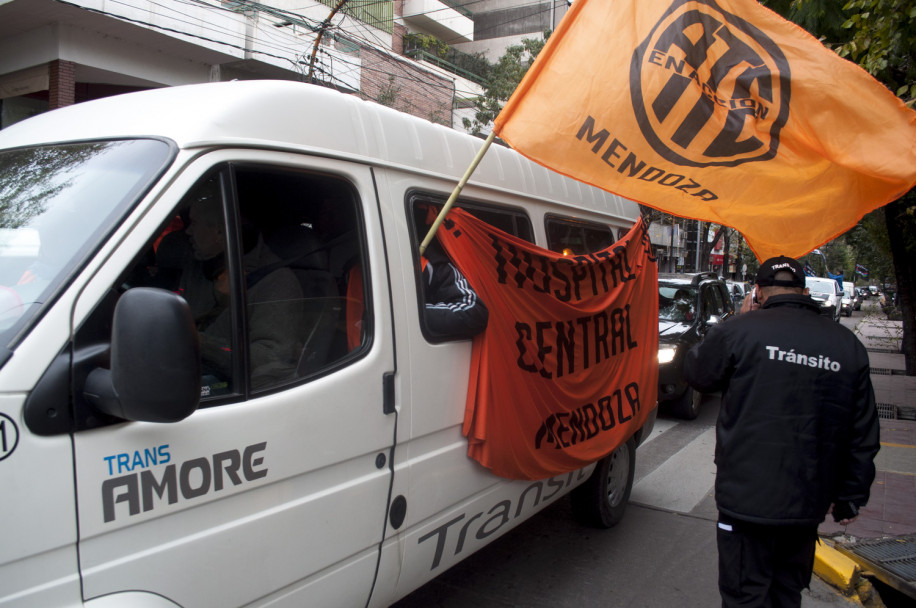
823	18
426	42
870	242
475	63
389	93
879	35
505	76
884	42
440	116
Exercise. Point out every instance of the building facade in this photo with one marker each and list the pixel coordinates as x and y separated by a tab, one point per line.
54	54
499	24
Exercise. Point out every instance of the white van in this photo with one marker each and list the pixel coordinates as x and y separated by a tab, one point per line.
827	293
850	299
312	454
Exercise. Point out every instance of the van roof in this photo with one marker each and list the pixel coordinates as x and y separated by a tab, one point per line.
305	118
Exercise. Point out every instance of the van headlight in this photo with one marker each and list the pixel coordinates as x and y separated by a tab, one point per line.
666	353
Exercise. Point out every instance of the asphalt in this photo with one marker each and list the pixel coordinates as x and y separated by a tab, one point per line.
889	518
661	557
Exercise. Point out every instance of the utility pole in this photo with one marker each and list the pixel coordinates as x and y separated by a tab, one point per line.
324	26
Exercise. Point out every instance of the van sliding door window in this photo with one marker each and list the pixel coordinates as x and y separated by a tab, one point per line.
450	309
270	262
576	237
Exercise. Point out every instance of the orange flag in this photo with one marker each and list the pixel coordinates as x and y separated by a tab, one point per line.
567	369
717	110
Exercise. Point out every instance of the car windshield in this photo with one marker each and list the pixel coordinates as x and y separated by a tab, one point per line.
55	203
824	287
676	302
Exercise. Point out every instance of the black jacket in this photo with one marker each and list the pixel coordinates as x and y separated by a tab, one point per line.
453	308
798	425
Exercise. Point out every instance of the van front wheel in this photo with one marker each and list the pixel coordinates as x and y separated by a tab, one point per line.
601	501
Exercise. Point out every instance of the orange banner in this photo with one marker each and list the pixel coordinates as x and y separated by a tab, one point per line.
567	368
717	110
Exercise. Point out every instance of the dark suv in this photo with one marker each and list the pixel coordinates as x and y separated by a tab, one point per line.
688	305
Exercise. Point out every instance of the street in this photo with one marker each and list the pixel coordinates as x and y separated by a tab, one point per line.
663	553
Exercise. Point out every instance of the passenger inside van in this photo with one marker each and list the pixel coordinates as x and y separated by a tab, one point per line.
302	285
275	313
453	310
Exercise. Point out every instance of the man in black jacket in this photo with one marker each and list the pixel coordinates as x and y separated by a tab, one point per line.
796	437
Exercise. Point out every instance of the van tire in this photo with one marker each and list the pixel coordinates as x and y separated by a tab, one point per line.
601	501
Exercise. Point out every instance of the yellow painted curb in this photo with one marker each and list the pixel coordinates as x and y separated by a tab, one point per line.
835	568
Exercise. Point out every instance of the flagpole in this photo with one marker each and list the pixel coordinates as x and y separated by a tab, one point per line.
454	196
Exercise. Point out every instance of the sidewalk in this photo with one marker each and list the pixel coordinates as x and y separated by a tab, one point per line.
891	510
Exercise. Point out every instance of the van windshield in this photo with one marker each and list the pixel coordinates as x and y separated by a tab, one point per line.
56	202
823	287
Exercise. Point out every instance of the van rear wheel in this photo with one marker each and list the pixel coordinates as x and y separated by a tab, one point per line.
601	501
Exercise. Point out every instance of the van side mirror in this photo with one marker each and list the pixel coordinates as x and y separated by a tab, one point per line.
155	360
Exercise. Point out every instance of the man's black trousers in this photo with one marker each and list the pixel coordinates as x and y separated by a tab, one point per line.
764	566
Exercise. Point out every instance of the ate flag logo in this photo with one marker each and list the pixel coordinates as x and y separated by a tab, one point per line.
708	88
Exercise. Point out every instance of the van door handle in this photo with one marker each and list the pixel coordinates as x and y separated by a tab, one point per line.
388	393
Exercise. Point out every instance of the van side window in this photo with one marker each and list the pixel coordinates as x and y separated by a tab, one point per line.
576	237
302	262
423	210
270	262
463	314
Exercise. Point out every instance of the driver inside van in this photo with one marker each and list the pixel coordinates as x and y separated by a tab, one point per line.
275	311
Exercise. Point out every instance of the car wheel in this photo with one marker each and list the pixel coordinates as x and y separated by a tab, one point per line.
601	501
687	406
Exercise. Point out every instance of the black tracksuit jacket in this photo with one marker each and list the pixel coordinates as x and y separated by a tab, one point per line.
798	425
453	308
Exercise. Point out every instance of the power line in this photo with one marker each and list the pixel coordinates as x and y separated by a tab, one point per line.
286	43
172	30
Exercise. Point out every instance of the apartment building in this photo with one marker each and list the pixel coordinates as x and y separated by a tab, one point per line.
54	53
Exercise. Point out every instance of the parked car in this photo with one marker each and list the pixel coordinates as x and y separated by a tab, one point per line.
688	305
850	299
826	292
737	290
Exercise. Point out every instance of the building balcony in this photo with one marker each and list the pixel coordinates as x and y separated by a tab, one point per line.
445	20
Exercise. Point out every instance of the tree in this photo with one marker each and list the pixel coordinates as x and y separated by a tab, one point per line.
503	79
879	35
883	42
